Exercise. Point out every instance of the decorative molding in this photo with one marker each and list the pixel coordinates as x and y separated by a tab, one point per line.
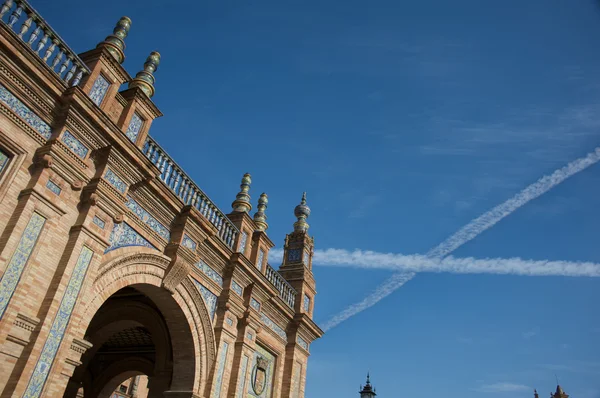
123	235
74	144
24	112
177	273
147	218
211	273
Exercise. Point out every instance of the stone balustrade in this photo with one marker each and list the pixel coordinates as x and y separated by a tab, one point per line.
23	20
286	291
186	190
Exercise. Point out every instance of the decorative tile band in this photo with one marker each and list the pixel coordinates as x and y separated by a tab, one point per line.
115	181
189	243
243	239
59	325
15	267
98	90
99	222
273	326
302	343
254	389
74	144
221	370
306	303
147	218
255	304
24	112
237	288
135	125
261	257
123	235
239	393
211	273
210	299
53	187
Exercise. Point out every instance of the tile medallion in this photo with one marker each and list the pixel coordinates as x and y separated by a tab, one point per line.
243	239
239	392
255	304
147	218
4	158
294	254
210	299
135	125
220	370
99	222
24	112
14	269
124	235
59	325
261	258
263	362
237	288
273	326
211	273
74	144
189	243
306	303
302	343
115	181
98	90
53	187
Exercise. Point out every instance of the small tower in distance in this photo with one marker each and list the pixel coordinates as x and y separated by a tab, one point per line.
535	394
559	393
367	391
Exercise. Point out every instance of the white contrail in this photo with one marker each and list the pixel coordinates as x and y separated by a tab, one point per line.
478	225
416	263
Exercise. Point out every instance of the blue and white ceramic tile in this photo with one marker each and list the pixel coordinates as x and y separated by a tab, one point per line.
294	254
3	160
59	325
98	90
24	112
211	273
220	370
123	235
261	257
237	288
53	187
99	222
302	343
147	218
273	326
74	144
17	262
189	243
115	181
239	392
229	321
255	304
306	303
296	380
210	299
264	354
243	240
135	125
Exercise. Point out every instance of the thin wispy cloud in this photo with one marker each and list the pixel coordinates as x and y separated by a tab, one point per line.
502	387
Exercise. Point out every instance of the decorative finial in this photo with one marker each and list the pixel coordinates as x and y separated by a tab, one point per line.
260	218
302	211
145	78
115	43
535	394
368	375
242	199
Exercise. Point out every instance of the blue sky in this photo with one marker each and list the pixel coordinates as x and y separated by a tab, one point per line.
403	121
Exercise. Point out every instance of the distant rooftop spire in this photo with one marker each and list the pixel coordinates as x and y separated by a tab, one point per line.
242	200
302	211
260	218
115	43
145	78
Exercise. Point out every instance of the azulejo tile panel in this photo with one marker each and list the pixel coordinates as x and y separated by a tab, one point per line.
98	90
296	380
273	326
306	303
24	112
294	254
147	218
237	288
17	262
210	299
99	222
302	343
220	370
135	125
123	235
254	384
59	325
189	242
229	321
53	187
74	144
255	304
243	239
239	392
211	273
261	258
115	181
3	160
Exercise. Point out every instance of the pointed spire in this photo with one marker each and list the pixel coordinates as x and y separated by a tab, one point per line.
260	218
115	43
535	394
145	78
242	199
302	211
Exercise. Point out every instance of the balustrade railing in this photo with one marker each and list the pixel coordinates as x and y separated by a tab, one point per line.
183	186
43	41
286	291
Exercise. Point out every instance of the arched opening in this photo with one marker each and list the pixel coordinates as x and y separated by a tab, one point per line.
139	330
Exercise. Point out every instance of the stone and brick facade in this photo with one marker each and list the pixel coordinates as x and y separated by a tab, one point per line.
113	262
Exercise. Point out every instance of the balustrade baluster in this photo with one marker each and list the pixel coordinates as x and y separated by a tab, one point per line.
34	35
26	25
16	14
64	65
183	191
177	181
50	50
78	77
5	7
194	198
58	58
159	160
70	73
42	43
168	172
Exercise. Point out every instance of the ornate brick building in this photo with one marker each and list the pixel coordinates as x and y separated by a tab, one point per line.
113	262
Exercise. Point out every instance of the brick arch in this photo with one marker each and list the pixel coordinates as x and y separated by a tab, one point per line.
145	270
120	372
